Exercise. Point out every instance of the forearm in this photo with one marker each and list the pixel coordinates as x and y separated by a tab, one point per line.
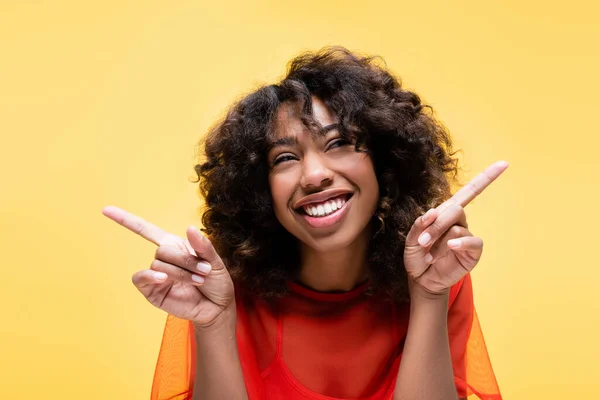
426	367
218	369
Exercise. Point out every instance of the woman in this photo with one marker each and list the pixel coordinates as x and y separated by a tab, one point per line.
340	266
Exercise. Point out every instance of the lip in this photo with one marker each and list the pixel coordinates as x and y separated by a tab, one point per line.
331	219
320	197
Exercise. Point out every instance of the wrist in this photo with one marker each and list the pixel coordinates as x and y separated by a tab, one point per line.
418	294
224	322
428	309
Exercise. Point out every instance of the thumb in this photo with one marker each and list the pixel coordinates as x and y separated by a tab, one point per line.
204	248
417	257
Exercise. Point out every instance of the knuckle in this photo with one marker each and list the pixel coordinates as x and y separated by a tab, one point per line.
186	260
161	252
182	274
435	227
139	227
138	278
456	230
417	225
471	187
458	210
420	220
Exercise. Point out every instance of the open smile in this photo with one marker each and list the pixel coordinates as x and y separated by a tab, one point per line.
327	213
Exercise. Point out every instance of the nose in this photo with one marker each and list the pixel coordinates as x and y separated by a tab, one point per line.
315	172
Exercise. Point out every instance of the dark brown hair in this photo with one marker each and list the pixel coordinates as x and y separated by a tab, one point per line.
410	149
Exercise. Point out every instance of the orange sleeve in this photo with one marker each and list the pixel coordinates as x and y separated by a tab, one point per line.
175	368
473	373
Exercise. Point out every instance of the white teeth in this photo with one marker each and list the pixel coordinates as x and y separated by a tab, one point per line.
325	208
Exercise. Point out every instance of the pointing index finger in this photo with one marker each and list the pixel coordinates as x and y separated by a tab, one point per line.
135	224
477	185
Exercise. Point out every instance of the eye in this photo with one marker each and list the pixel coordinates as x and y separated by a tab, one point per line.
283	158
339	142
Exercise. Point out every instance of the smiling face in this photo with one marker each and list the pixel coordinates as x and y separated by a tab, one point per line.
324	191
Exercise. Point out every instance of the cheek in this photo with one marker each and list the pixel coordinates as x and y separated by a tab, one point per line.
365	175
280	193
364	172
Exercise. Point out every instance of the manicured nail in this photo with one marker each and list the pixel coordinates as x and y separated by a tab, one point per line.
424	239
428	258
454	243
203	267
197	278
160	276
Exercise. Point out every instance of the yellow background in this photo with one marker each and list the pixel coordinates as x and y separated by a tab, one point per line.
103	102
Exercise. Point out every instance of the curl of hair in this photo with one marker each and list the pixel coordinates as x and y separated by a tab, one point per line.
410	149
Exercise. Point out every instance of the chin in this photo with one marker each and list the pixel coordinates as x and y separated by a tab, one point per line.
339	240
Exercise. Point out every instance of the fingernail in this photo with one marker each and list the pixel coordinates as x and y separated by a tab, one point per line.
428	258
424	239
203	267
454	243
161	276
197	278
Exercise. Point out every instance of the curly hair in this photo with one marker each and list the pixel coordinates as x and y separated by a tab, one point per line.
411	151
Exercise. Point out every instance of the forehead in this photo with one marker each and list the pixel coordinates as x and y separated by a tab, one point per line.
288	121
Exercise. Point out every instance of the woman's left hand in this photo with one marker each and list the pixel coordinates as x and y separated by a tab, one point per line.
440	249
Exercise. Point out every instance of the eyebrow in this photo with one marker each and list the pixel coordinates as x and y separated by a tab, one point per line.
292	141
329	127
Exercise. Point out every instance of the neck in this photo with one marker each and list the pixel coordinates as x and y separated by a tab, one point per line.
340	270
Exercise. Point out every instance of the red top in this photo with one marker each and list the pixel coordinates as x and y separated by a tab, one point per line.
320	346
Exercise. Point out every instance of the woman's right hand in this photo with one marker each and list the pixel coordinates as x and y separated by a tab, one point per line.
187	279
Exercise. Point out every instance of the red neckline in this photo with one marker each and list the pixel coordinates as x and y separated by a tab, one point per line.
324	296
